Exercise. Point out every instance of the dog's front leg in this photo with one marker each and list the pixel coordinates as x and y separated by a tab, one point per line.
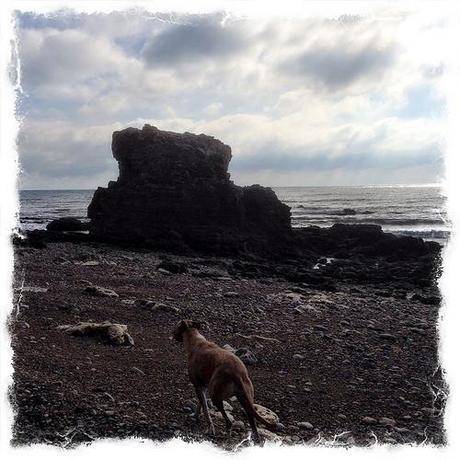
204	404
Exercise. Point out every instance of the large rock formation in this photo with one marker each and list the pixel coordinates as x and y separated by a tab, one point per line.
174	192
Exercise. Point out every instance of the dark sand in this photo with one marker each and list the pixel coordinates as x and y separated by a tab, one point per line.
363	351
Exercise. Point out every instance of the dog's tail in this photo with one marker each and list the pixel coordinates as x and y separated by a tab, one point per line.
246	401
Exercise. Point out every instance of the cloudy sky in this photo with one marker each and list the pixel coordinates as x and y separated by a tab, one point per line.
351	100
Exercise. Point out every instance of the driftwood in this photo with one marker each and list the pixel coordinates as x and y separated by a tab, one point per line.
260	338
116	334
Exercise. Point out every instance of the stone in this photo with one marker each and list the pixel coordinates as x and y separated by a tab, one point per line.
246	355
189	406
369	420
305	425
229	348
386	421
139	371
219	416
66	224
99	291
164	308
268	435
266	413
238	425
227	406
174	192
113	333
298	357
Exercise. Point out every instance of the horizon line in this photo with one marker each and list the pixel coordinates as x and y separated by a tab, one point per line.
426	185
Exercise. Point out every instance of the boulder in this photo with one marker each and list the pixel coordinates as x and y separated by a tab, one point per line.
266	413
174	192
66	224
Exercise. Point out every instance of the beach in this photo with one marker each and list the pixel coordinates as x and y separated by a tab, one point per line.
355	355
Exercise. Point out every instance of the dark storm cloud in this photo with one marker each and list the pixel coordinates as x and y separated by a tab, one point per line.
339	66
199	40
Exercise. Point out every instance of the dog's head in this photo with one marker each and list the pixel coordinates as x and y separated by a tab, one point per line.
183	326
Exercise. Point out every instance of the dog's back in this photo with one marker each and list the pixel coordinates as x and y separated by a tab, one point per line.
207	357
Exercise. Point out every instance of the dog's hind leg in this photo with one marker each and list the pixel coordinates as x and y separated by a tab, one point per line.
204	403
220	388
197	413
245	396
220	405
252	423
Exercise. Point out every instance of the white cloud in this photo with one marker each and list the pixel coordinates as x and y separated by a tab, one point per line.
321	90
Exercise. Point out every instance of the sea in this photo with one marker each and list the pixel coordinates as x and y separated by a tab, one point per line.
404	210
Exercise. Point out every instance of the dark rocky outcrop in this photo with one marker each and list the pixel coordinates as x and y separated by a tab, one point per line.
67	224
345	241
174	192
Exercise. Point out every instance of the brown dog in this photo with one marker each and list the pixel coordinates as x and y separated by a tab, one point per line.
221	372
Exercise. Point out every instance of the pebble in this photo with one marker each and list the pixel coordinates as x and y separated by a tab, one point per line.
138	370
369	420
268	435
228	407
305	425
298	357
164	308
246	355
402	430
386	421
101	291
390	440
238	425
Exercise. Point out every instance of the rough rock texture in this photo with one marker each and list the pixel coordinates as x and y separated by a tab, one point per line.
345	241
174	192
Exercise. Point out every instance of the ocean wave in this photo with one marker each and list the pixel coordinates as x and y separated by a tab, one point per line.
437	235
383	221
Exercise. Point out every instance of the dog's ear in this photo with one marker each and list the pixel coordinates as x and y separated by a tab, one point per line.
196	324
179	329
